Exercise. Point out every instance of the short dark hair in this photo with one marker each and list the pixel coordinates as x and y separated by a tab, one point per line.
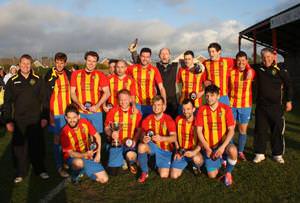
112	61
91	53
71	108
146	50
26	56
60	56
124	91
158	98
189	52
241	54
212	89
187	100
215	45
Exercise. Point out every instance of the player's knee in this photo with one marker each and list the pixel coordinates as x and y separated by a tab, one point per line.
232	151
212	174
103	178
77	164
142	148
175	175
164	174
131	156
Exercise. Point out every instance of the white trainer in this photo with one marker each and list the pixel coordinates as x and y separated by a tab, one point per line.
18	179
278	159
44	176
259	158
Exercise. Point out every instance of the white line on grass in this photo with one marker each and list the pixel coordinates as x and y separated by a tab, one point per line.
56	190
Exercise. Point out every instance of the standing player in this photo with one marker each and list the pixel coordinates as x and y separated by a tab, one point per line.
76	143
127	133
188	149
86	87
192	80
57	82
215	129
147	77
240	95
158	136
218	69
118	81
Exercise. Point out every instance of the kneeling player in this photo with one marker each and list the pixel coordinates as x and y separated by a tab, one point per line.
80	153
215	129
188	149
158	136
122	126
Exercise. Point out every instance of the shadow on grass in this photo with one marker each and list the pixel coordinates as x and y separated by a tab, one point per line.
33	188
6	169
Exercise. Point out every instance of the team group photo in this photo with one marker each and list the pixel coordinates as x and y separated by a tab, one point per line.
150	127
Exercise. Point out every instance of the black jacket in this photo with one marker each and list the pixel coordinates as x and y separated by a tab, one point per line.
24	100
273	85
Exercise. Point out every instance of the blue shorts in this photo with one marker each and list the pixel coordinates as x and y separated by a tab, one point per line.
180	163
59	123
210	164
116	156
90	167
162	158
242	115
224	100
96	119
144	109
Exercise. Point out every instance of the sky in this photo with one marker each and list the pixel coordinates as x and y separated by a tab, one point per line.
42	28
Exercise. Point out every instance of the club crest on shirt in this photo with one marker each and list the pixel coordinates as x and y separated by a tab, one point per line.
32	82
220	114
274	72
83	131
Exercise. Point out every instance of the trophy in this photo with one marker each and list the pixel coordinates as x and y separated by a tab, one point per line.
181	151
193	95
115	126
150	133
87	105
129	144
135	43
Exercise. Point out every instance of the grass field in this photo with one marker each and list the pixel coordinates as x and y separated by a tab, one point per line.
265	182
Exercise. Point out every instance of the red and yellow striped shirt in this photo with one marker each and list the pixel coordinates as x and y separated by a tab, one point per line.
88	86
218	72
146	81
186	135
116	84
77	139
60	97
163	127
128	121
240	88
191	82
215	123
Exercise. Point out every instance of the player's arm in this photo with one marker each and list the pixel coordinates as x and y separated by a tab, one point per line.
104	97
171	138
288	88
162	91
98	152
203	141
75	98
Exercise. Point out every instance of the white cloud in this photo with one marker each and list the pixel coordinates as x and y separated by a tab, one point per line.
44	30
